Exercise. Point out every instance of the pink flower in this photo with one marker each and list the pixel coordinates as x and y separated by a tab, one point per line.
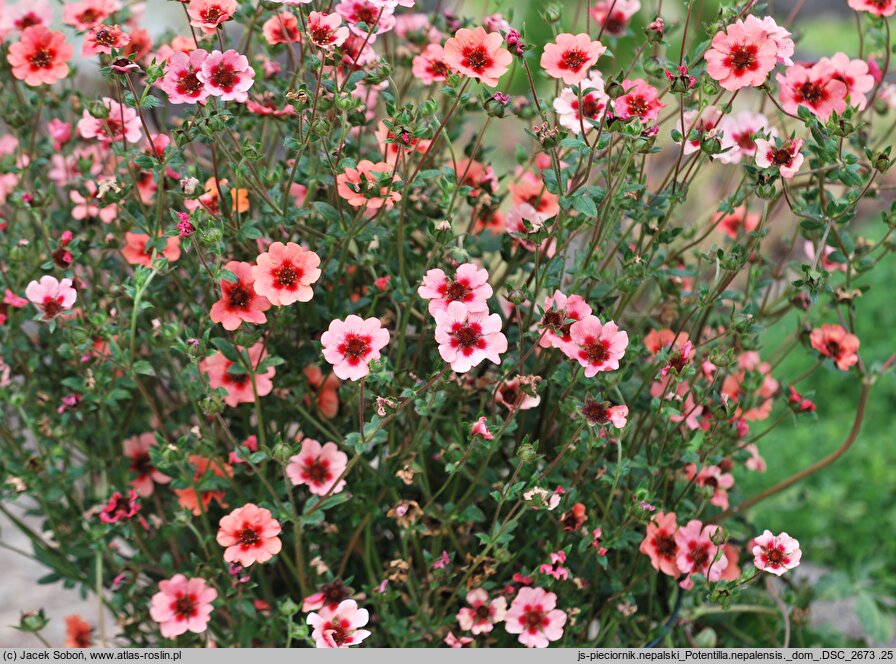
738	134
227	75
469	287
575	116
640	100
756	463
351	345
478	54
830	340
326	30
854	74
785	157
704	122
209	14
876	7
60	132
281	29
339	627
120	508
466	338
378	20
511	395
736	223
120	124
454	642
560	312
539	498
571	56
715	479
697	554
137	449
660	544
88	13
250	535
51	296
319	467
555	568
284	273
742	56
596	346
40	56
239	302
776	553
104	38
181	80
136	251
816	88
88	207
480	428
239	385
182	605
600	413
483	614
22	15
534	617
777	34
430	66
369	185
613	15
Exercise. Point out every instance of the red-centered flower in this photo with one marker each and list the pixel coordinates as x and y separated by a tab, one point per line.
182	605
478	54
817	88
836	343
741	56
571	56
776	553
284	273
40	56
250	535
239	302
660	545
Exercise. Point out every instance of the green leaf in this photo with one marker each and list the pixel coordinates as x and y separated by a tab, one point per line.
876	624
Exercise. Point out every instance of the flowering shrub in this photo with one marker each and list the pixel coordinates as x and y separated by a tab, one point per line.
371	326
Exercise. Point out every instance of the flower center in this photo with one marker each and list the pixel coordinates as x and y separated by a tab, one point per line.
356	346
335	592
52	306
321	36
249	537
775	555
781	157
88	16
699	556
812	92
665	545
366	14
286	276
591	106
339	631
597	352
439	68
185	606
467	336
456	291
142	465
743	58
318	471
477	59
483	612
833	348
239	297
104	37
533	618
595	412
745	140
189	83
224	77
638	105
573	60
212	15
42	58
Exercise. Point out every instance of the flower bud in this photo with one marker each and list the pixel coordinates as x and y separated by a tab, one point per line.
552	13
526	453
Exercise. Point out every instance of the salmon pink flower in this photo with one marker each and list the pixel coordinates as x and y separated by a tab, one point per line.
430	66
739	133
284	273
614	15
339	627
480	428
798	402
325	389
51	296
596	346
103	38
660	544
575	115
136	251
281	29
736	223
182	605
830	340
816	88
239	386
120	124
369	185
855	74
697	554
22	15
77	632
741	56
600	413
88	14
640	100
239	302
250	535
776	553
466	338
513	395
560	312
483	614
571	56
40	56
181	80
195	499
534	616
351	345
120	508
876	7
137	449
227	75
784	157
326	30
469	287
478	54
319	467
207	15
756	463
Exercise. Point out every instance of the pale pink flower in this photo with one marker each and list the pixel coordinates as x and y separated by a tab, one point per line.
739	133
534	616
88	207
469	287
596	346
776	33
326	30
575	115
512	396
285	272
756	463
22	15
51	296
697	554
339	627
239	385
785	157
250	535
776	553
319	467
712	477
478	54
207	15
88	14
467	338
480	428
351	345
239	302
182	605
120	123
560	312
60	132
430	66
570	57
453	641
876	7
741	56
376	19
181	80
816	88
227	75
599	413
136	448
40	56
483	613
855	75
542	498
614	15
824	260
704	122
640	100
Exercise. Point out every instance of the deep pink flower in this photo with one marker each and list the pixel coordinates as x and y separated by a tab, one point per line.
181	80
830	340
182	605
250	535
326	30
469	287
319	467
574	115
697	554
560	312
640	100
351	345
571	56
120	507
339	627
137	449
239	385
596	346
483	613
600	413
876	7
785	157
799	402
776	553
816	88
120	124
369	185
51	296
855	74
478	54
534	616
285	272
227	75
378	20
207	15
467	338
480	428
239	302
741	56
660	545
40	56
